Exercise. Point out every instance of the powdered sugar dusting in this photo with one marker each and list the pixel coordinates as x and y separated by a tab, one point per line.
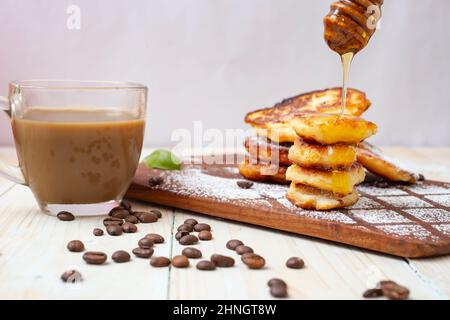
406	202
375	191
409	230
430	215
444	228
379	216
443	200
366	203
423	188
335	216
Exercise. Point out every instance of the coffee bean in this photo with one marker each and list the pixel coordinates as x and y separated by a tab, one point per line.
159	262
394	291
373	293
191	253
157	212
206	265
155	181
121	256
180	262
205	235
222	261
65	216
111	220
145	243
114	230
421	177
279	291
71	276
143	253
276	282
295	263
246	255
125	204
233	244
253	261
188	240
202	226
243	184
243	249
94	257
131	219
118	212
146	217
98	232
75	246
186	227
155	237
191	221
278	288
129	227
181	234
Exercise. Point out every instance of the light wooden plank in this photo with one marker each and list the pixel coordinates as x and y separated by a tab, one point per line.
332	271
34	255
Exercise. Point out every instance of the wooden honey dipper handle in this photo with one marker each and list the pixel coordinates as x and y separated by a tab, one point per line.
350	24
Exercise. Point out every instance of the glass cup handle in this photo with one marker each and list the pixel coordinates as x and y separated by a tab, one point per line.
9	171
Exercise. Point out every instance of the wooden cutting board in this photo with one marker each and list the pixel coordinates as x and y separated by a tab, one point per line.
406	221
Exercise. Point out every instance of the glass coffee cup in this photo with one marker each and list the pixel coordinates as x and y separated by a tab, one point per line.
78	142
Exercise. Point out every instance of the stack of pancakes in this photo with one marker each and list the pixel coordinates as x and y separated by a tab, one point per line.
268	152
324	170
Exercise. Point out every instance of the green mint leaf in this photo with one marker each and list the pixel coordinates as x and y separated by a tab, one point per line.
162	159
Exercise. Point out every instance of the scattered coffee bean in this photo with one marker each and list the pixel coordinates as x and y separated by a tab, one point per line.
206	265
421	177
155	237
191	222
243	184
75	246
71	276
188	240
276	282
94	257
186	227
145	243
118	212
131	219
121	256
394	291
155	181
125	204
157	212
114	230
146	217
382	184
205	235
111	220
253	261
278	288
202	226
181	234
98	232
233	244
222	261
279	291
243	249
143	253
191	253
295	263
159	262
180	262
65	216
129	227
373	293
246	255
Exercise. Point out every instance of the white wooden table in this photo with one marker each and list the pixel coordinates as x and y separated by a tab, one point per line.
33	255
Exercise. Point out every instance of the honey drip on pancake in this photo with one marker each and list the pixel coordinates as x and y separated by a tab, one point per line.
346	62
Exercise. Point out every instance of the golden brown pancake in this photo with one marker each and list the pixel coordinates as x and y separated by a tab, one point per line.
326	128
378	163
264	172
337	181
314	199
312	155
266	151
274	122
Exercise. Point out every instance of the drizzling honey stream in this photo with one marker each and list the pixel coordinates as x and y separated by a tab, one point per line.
348	28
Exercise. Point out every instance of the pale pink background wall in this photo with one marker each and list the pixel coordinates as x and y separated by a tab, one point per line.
215	60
